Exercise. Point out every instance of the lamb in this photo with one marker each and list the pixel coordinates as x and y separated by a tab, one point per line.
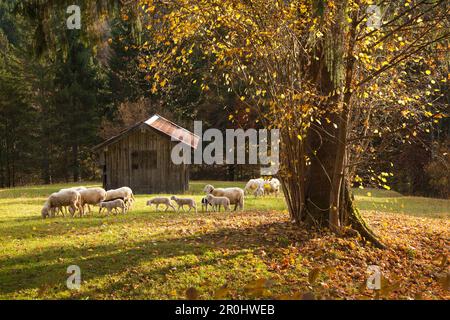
113	205
161	200
235	195
92	196
57	200
181	202
205	204
216	202
252	185
124	192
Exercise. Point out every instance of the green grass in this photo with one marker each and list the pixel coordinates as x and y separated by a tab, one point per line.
394	202
147	254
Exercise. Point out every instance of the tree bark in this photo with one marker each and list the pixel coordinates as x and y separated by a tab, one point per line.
308	188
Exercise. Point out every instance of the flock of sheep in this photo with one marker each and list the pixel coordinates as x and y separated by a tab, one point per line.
260	186
78	198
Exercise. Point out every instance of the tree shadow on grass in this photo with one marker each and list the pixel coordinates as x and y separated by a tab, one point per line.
47	268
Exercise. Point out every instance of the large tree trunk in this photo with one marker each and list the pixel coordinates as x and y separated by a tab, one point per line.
309	187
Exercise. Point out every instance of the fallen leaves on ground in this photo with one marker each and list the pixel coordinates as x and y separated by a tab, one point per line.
414	265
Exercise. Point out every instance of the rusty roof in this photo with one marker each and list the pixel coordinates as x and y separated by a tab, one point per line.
162	125
173	130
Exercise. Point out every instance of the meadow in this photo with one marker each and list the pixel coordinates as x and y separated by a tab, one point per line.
256	253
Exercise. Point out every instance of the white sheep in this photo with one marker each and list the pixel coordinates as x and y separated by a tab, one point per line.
181	202
68	189
92	196
259	191
113	205
57	200
125	192
261	187
216	202
252	185
272	186
161	200
235	195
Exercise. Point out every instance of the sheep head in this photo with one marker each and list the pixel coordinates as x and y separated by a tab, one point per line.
208	188
45	212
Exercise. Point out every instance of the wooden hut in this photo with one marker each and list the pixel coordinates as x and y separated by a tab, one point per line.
139	157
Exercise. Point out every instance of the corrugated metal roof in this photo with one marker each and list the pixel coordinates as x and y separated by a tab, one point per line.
162	125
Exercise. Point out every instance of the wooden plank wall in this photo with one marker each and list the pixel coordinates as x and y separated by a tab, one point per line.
165	178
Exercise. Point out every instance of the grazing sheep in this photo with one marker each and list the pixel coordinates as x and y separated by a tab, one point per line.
113	205
57	200
92	196
161	200
272	186
252	185
235	195
68	189
124	192
216	202
181	202
205	204
259	191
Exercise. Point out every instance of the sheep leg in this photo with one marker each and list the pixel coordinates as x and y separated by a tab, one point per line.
80	209
72	211
157	205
